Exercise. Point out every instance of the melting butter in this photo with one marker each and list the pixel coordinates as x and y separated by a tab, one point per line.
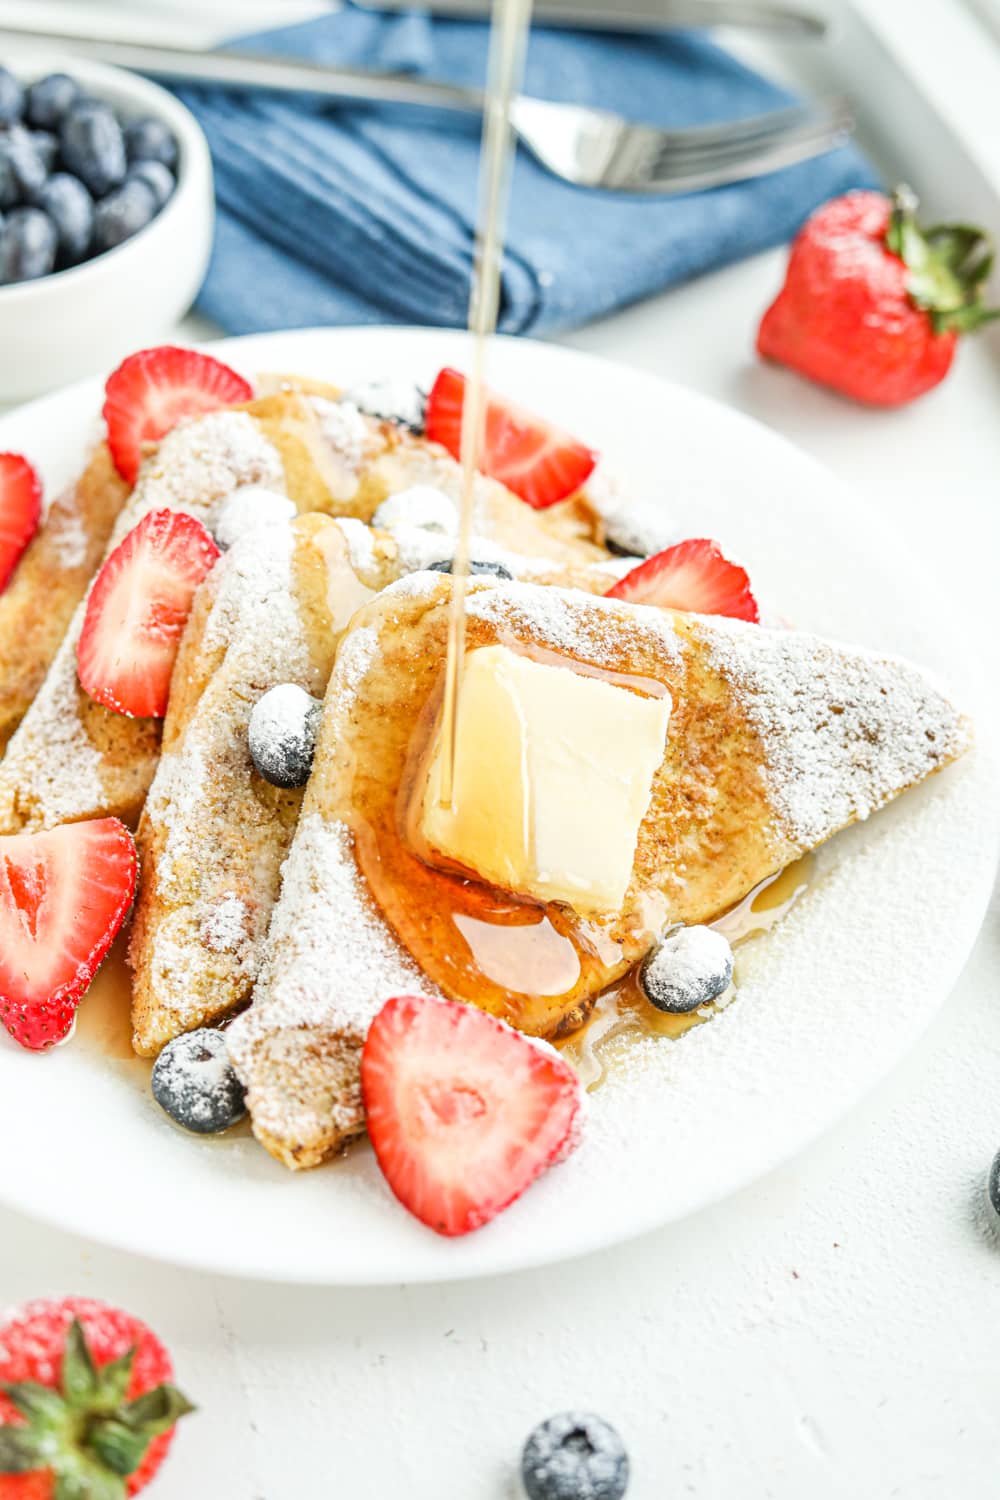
553	776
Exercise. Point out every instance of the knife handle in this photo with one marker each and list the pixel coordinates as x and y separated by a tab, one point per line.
248	70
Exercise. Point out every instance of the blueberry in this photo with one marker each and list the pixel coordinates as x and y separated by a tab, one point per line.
575	1456
22	170
11	98
27	246
993	1186
391	401
194	1082
149	139
93	147
282	734
71	209
122	214
688	969
494	569
50	99
158	178
47	146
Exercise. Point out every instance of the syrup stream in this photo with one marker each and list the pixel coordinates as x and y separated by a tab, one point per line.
508	37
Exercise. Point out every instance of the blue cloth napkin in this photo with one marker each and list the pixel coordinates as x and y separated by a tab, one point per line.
342	215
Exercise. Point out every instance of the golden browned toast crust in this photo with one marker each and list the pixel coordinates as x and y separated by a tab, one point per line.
50	580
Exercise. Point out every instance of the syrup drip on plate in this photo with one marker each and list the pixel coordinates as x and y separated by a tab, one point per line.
624	1012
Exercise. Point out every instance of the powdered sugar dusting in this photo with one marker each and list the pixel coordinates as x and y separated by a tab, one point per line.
583	625
843	730
198	464
331	960
67	536
224	926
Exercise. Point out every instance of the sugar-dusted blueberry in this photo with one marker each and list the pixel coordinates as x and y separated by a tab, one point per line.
421	505
248	507
122	214
149	139
494	569
71	209
11	98
390	400
93	147
47	146
689	968
22	170
282	734
575	1456
194	1082
28	246
158	178
50	99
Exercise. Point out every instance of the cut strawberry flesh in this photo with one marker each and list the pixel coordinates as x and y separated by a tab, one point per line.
63	898
463	1112
693	576
535	460
20	511
149	394
137	610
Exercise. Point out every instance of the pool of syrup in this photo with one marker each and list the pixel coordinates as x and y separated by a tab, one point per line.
623	1011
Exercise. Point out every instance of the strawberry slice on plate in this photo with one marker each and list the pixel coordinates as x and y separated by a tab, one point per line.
539	462
150	393
463	1112
692	576
20	511
63	897
137	610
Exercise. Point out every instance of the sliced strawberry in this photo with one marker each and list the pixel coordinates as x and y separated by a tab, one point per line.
138	606
20	511
63	897
534	459
154	389
692	576
463	1112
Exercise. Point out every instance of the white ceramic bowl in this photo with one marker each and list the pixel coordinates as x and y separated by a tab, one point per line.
84	320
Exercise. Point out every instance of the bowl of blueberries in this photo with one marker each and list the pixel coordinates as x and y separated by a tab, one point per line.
106	218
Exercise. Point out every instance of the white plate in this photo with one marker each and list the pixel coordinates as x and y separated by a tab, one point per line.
830	1001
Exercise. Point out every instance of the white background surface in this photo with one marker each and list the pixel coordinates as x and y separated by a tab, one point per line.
828	1333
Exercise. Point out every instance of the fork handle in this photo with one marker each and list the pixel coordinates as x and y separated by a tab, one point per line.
257	72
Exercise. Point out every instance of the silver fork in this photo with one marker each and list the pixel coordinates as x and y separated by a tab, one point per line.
590	148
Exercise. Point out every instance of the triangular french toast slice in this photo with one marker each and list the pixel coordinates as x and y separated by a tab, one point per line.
776	740
71	758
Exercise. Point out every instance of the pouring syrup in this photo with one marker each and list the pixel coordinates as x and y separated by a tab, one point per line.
508	39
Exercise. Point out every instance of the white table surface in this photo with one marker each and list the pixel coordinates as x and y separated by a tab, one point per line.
829	1332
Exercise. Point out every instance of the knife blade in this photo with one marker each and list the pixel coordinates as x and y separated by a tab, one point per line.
634	15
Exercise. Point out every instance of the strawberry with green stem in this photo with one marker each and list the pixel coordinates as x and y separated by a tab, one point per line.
873	306
86	1401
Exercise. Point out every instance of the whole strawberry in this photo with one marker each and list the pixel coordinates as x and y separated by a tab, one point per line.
86	1402
873	305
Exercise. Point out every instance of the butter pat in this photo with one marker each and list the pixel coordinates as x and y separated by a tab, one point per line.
553	776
